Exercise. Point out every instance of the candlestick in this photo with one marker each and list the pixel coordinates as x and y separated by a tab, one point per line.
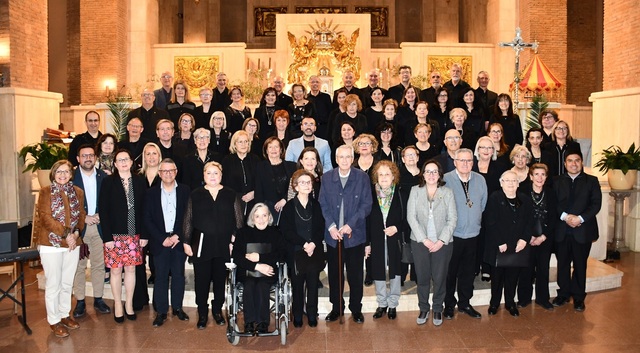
377	67
388	63
269	63
248	64
259	67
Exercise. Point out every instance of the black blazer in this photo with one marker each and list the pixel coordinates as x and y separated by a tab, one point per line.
552	217
77	181
584	201
289	229
112	204
267	189
504	226
376	237
154	217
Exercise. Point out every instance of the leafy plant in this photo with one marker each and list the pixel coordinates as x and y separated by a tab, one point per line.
538	104
42	155
119	108
615	158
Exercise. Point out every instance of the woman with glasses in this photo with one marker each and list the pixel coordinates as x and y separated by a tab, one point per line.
457	118
120	204
388	148
204	111
237	111
273	177
496	134
220	137
561	143
184	134
509	221
252	127
546	119
432	216
194	162
106	147
409	177
520	158
180	102
365	147
60	219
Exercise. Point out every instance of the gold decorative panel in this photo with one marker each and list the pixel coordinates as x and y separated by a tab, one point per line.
321	9
265	20
197	71
442	63
379	20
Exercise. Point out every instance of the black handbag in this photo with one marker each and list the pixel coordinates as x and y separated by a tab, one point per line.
310	264
407	253
260	248
513	259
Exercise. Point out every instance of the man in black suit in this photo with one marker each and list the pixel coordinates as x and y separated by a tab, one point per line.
149	114
429	94
484	95
397	92
165	205
175	151
322	101
221	98
163	94
282	99
92	120
374	78
456	86
348	79
579	201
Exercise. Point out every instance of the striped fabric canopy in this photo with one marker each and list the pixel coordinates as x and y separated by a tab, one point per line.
537	77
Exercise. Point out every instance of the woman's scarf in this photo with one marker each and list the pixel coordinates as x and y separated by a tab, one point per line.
385	196
58	210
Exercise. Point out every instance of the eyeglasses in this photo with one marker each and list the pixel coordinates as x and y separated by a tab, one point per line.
562	128
65	172
205	95
495	132
442	96
167	171
166	76
431	172
123	160
548	116
452	138
464	160
218	118
304	182
509	180
88	155
147	95
410	155
203	138
486	148
134	126
185	121
361	144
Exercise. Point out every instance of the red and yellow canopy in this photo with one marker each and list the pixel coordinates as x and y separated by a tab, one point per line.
537	77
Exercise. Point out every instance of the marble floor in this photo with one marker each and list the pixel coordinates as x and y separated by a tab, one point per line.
609	324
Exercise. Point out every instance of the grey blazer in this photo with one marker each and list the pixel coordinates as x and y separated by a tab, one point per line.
445	214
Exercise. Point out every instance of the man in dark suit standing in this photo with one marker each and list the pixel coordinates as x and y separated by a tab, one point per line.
373	78
484	95
282	99
165	205
579	201
88	178
397	92
323	104
149	114
348	79
456	86
163	94
429	94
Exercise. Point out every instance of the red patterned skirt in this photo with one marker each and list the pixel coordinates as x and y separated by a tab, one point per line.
126	252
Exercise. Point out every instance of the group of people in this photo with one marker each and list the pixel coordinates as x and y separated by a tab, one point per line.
368	179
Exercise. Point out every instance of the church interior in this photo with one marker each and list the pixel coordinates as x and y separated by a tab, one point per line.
60	59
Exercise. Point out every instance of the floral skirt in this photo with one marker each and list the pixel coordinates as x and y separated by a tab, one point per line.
126	252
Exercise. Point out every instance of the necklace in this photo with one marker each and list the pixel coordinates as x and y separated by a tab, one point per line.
535	196
300	216
465	187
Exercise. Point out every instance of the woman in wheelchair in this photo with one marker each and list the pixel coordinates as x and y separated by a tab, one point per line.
257	249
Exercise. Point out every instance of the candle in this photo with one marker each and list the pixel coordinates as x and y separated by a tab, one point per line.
107	92
247	63
259	67
388	63
378	66
269	63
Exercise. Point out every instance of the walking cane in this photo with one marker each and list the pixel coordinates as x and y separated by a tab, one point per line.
340	281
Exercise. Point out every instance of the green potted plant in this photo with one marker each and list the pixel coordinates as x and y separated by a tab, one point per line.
621	167
40	157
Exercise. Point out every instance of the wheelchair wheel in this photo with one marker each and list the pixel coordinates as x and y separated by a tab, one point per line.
232	333
283	332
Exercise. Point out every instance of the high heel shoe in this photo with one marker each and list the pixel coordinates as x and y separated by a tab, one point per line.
131	317
118	319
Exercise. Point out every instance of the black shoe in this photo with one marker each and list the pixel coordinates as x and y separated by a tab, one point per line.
545	304
560	301
578	305
368	282
513	311
131	317
448	313
492	310
182	316
486	277
80	309
262	327
250	328
100	306
152	280
470	311
332	316
379	312
297	322
358	318
202	322
392	314
218	319
118	319
159	320
523	304
422	318
313	322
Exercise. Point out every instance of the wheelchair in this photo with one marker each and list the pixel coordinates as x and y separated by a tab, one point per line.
280	304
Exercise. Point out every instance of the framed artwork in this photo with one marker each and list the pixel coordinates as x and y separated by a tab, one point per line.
321	9
197	71
442	64
265	20
379	20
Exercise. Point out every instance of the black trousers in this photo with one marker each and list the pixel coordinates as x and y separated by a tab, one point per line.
538	267
572	284
352	259
205	272
504	278
255	299
461	272
298	288
141	291
169	261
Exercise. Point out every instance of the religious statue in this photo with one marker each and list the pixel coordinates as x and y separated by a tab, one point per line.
344	53
303	51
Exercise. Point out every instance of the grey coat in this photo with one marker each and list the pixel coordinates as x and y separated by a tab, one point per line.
445	214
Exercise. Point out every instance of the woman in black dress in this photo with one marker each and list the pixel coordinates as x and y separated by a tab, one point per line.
220	137
387	146
257	249
273	177
352	107
240	170
194	162
375	113
303	227
562	142
180	102
426	149
300	108
439	110
203	112
476	120
282	127
252	127
237	111
211	220
504	115
184	135
120	204
265	113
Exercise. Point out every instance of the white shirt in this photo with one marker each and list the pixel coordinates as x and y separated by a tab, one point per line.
90	191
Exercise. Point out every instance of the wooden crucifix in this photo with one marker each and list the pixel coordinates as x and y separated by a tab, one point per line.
518	45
